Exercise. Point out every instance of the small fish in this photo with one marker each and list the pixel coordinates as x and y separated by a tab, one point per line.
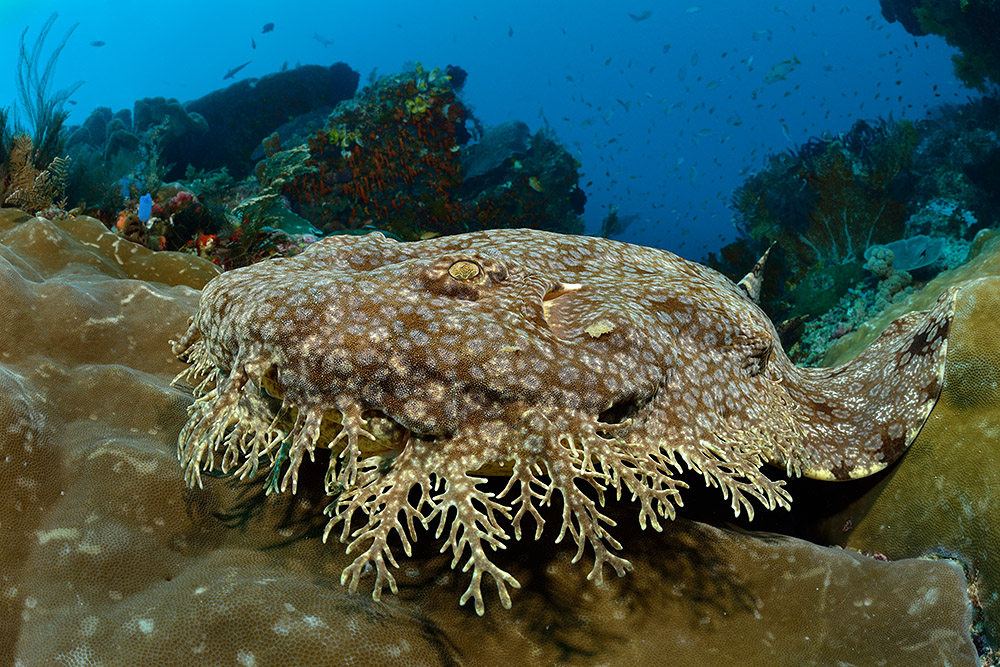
268	27
322	40
535	184
781	71
510	31
693	9
284	66
787	135
97	43
231	73
641	16
253	44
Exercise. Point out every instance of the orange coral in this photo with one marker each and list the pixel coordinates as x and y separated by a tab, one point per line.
392	158
386	158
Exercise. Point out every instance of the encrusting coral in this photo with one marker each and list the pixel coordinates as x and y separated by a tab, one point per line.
565	363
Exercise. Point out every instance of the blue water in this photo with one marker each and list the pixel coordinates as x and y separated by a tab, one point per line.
666	114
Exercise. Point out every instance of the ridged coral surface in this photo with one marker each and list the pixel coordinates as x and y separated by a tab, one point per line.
941	498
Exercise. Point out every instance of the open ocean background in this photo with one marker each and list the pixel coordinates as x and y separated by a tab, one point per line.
667	105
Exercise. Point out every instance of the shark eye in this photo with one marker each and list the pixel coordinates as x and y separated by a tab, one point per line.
464	276
464	269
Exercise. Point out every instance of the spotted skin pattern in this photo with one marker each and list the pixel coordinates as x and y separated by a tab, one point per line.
574	366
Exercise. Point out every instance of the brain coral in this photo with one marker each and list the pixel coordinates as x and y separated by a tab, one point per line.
565	363
106	557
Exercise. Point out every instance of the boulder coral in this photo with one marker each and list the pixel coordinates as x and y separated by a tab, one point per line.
106	557
940	499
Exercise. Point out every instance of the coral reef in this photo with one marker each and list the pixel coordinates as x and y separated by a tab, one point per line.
114	163
824	205
889	183
28	187
33	170
906	254
970	25
107	558
866	300
832	199
983	259
170	114
392	158
496	146
43	106
957	190
395	158
178	220
246	112
119	157
940	498
553	360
